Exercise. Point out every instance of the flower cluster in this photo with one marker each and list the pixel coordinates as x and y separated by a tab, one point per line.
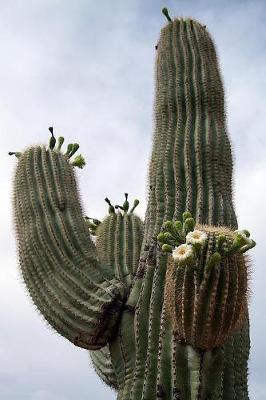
182	240
185	243
241	243
186	253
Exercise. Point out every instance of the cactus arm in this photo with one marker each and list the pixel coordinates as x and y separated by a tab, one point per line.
125	232
119	239
66	281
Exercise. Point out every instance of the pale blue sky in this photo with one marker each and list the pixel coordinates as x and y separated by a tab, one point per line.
87	68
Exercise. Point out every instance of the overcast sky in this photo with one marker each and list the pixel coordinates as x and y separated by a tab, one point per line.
87	68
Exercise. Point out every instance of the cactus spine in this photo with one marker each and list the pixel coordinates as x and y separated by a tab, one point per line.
114	299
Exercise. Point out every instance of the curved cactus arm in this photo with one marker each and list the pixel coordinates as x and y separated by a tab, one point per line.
78	297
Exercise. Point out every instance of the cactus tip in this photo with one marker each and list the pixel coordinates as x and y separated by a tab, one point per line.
111	208
135	204
52	141
60	142
15	153
51	129
165	12
74	149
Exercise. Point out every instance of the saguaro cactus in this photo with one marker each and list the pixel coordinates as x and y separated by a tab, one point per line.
161	307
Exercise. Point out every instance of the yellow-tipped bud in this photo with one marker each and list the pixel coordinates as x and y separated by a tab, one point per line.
60	142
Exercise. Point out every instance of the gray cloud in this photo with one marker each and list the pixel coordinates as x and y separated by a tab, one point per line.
87	68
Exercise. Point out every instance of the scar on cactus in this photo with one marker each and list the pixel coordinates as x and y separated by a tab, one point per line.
161	306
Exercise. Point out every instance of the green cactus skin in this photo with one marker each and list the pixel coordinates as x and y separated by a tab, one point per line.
102	364
58	260
119	239
90	299
190	169
207	299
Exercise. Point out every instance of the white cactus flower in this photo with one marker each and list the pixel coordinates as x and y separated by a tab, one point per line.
183	253
196	237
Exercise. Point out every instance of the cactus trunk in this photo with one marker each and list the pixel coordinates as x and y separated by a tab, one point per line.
190	170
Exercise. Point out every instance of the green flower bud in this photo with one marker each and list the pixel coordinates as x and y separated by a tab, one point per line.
213	260
15	153
60	142
111	207
161	237
197	248
126	203
251	243
135	204
69	149
168	226
166	248
52	140
219	243
186	215
79	161
165	12
168	236
188	225
238	242
178	228
75	148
